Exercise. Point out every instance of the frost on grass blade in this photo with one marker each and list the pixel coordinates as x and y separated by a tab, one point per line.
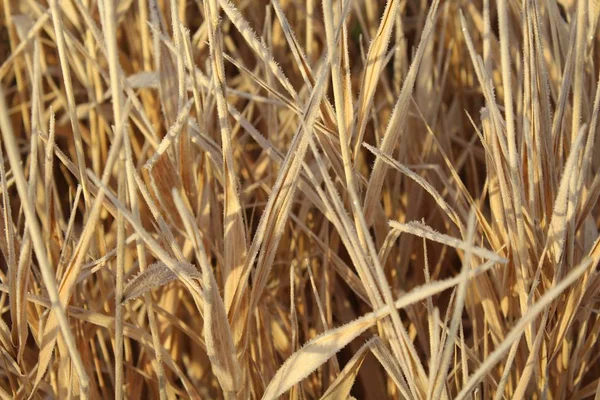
156	275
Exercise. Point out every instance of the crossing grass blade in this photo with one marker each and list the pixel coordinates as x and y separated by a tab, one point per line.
299	199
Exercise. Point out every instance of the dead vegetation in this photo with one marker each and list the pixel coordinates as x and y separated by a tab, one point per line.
299	198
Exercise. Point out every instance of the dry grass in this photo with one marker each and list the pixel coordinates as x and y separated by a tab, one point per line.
299	199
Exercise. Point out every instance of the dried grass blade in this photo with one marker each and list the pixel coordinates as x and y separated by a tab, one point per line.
257	46
142	259
422	230
519	328
563	204
64	63
317	351
421	182
153	245
119	277
444	364
156	275
74	267
385	358
340	388
220	346
532	360
40	251
161	169
167	84
276	212
8	248
375	64
394	128
235	229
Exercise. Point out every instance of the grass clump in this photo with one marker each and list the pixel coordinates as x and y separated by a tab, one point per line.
297	198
